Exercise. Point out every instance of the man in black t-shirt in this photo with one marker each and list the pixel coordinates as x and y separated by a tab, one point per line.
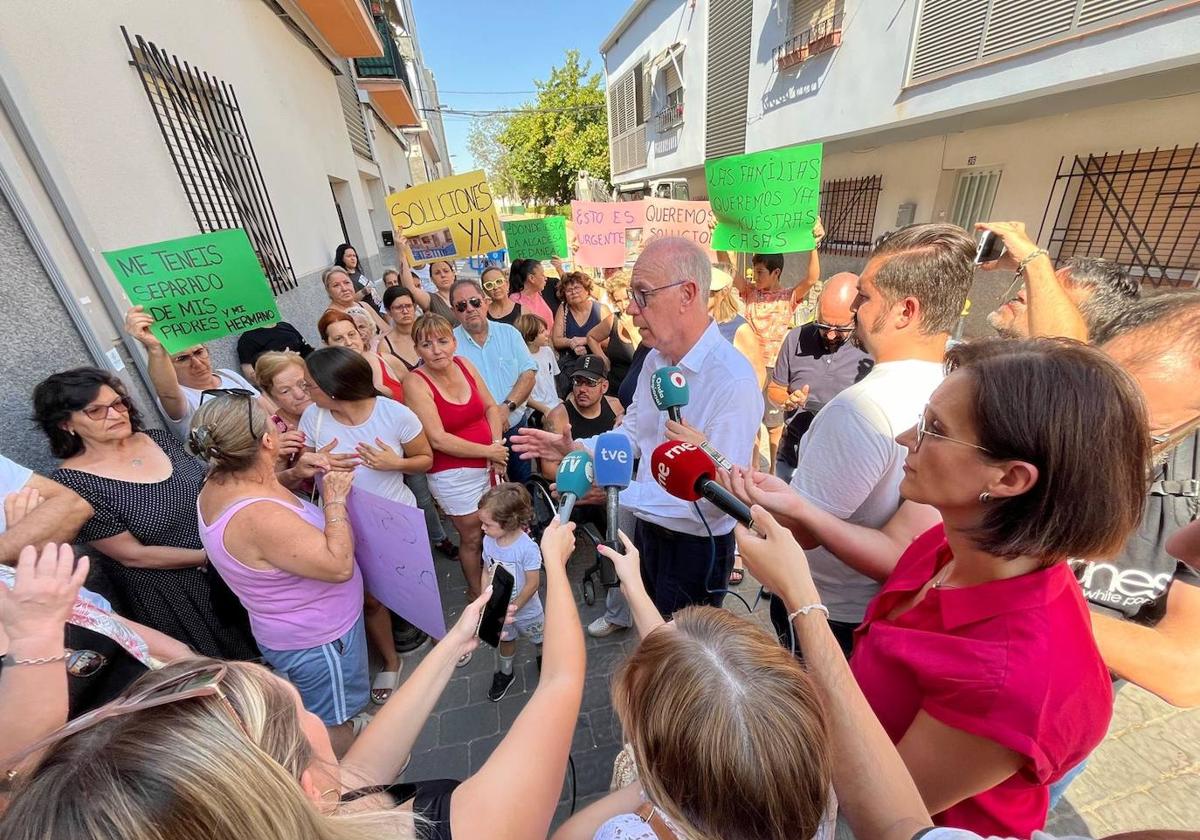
253	343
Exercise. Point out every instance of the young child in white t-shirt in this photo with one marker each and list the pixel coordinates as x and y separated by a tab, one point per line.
544	397
504	512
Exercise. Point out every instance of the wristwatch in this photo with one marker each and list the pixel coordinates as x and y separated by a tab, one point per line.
512	406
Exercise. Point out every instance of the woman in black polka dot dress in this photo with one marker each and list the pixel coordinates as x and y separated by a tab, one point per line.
142	486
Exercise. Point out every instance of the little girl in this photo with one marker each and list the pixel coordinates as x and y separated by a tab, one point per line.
544	397
504	512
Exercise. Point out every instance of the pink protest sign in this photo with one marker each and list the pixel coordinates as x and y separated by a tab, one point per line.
690	219
600	231
391	547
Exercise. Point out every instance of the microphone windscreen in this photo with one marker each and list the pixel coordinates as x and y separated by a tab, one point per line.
669	388
679	466
574	474
613	460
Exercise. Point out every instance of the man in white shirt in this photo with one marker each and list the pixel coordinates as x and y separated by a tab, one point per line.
910	295
681	563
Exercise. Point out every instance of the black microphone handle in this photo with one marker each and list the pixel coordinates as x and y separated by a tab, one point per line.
611	504
725	500
673	411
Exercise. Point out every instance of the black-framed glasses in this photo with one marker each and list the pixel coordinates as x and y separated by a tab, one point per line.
834	328
235	392
922	431
642	296
473	303
99	412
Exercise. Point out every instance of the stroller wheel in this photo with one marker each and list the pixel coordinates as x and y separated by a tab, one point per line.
589	592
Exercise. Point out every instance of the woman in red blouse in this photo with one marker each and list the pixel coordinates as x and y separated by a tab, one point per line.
977	656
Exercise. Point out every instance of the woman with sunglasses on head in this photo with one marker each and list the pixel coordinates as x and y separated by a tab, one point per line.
464	425
501	307
387	372
290	563
342	298
442	274
231	750
401	309
977	655
142	487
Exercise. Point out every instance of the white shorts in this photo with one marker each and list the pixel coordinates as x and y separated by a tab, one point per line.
458	490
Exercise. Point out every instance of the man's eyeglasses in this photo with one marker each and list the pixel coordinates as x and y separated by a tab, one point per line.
922	431
99	412
578	381
235	392
642	296
473	303
184	358
834	328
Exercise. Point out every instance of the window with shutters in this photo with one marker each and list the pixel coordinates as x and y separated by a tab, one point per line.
352	111
813	27
627	109
974	192
954	35
670	114
727	69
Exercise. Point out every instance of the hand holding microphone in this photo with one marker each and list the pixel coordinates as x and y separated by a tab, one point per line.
573	480
669	388
687	472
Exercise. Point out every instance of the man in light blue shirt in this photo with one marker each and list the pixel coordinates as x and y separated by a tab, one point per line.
503	360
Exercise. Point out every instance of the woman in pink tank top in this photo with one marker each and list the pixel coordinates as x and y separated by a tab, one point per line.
291	566
464	426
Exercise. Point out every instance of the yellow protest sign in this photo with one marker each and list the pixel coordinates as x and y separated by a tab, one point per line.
450	218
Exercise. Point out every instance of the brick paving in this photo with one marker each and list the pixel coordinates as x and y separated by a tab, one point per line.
1146	774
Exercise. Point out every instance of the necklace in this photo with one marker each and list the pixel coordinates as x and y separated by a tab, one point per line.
940	581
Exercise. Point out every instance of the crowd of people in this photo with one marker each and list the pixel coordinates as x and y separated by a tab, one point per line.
968	549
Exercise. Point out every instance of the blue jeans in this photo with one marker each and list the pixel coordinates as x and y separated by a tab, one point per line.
518	470
1057	789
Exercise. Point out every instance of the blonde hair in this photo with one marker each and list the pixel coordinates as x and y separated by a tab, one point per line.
618	282
272	363
329	272
221	433
188	770
728	731
430	325
726	304
529	325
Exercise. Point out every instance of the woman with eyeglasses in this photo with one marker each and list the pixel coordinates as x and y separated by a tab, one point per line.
977	655
290	562
344	299
387	372
501	307
142	487
441	273
464	424
401	309
578	315
205	750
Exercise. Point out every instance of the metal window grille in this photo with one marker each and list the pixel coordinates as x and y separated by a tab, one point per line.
974	192
848	208
1141	209
206	136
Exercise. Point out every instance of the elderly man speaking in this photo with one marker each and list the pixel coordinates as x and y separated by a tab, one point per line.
686	549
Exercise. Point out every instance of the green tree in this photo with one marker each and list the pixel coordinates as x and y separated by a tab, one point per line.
483	141
564	130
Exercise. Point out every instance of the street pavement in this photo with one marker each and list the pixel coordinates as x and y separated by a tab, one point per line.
1146	774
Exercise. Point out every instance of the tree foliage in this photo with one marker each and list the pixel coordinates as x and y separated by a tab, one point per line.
546	143
483	141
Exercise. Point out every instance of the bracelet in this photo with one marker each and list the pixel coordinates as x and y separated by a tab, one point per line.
806	610
335	519
333	502
1040	252
9	659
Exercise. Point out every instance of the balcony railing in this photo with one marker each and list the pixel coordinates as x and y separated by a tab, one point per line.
391	65
671	114
822	36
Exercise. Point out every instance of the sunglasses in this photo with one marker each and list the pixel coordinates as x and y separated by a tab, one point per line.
99	412
202	681
473	303
579	381
235	392
834	328
492	285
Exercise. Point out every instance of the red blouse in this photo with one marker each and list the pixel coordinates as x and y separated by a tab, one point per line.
1013	661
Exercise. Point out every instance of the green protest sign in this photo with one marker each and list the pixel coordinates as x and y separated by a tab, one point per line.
536	239
197	288
765	201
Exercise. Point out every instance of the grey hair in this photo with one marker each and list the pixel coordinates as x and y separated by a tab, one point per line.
1155	327
1111	288
465	281
682	259
934	263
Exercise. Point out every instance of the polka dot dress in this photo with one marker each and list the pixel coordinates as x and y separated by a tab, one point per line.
192	605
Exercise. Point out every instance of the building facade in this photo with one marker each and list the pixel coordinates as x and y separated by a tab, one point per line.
292	119
1079	117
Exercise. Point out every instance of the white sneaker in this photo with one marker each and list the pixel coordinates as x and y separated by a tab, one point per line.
601	627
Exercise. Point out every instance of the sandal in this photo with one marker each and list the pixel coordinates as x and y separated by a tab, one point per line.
447	548
383	685
736	576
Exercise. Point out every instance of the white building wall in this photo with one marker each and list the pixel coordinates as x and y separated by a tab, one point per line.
659	25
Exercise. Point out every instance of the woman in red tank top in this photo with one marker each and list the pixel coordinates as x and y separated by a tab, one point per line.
339	330
464	426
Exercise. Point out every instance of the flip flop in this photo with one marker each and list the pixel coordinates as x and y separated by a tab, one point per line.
383	685
736	576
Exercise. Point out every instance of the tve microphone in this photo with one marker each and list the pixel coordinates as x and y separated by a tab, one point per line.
613	457
687	473
669	388
574	479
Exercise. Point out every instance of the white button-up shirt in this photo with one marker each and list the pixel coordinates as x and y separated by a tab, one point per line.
724	402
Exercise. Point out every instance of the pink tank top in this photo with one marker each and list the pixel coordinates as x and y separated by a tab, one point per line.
287	611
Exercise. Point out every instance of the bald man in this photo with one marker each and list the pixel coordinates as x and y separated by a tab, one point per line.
816	362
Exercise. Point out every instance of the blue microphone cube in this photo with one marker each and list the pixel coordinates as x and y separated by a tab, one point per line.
613	460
